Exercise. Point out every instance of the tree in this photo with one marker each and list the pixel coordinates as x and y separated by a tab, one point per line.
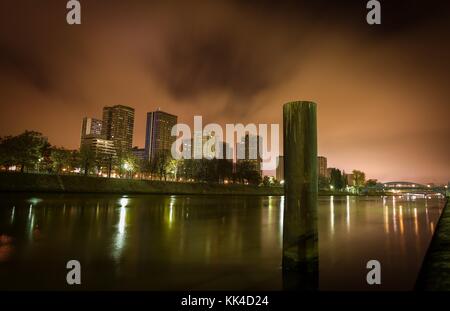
172	168
6	152
160	164
359	179
24	150
61	159
87	159
371	183
129	164
344	180
224	169
75	160
323	183
336	179
246	171
269	181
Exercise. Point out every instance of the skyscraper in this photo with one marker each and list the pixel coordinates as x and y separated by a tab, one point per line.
118	124
91	126
248	150
158	136
322	166
93	145
101	149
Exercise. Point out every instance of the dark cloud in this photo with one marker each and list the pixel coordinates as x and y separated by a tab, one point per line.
192	65
24	66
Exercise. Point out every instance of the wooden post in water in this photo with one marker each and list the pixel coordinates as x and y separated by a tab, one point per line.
300	236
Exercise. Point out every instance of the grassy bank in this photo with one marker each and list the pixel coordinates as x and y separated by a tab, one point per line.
18	182
27	182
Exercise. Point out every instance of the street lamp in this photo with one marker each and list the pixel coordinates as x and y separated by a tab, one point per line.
127	166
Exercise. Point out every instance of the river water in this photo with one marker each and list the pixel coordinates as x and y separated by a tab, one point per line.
163	242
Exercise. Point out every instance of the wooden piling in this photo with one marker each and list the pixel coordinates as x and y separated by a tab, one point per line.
300	235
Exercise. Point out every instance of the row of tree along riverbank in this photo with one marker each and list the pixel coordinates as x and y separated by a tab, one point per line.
24	182
30	182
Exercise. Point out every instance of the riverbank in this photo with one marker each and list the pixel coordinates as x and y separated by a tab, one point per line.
435	271
31	182
24	182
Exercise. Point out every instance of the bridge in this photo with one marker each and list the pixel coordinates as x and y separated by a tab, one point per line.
401	187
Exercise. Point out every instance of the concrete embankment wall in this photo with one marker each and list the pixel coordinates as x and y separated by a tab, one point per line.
435	271
18	182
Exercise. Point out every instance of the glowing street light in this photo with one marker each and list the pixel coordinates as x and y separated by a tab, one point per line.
127	166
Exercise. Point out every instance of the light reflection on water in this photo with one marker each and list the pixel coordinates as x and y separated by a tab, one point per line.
205	242
121	234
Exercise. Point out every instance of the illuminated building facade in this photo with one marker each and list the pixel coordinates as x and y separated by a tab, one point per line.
118	124
91	128
158	136
322	166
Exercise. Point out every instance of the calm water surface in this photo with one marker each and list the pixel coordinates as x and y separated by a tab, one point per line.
161	242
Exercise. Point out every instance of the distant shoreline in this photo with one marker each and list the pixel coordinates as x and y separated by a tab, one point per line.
52	183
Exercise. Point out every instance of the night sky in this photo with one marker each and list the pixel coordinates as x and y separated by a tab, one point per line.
383	91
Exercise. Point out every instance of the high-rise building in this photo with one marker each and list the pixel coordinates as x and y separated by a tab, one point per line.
329	170
322	166
227	152
158	133
350	179
90	128
139	153
249	150
280	168
118	124
195	147
102	150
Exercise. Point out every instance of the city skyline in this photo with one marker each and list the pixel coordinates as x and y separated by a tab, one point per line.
381	92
